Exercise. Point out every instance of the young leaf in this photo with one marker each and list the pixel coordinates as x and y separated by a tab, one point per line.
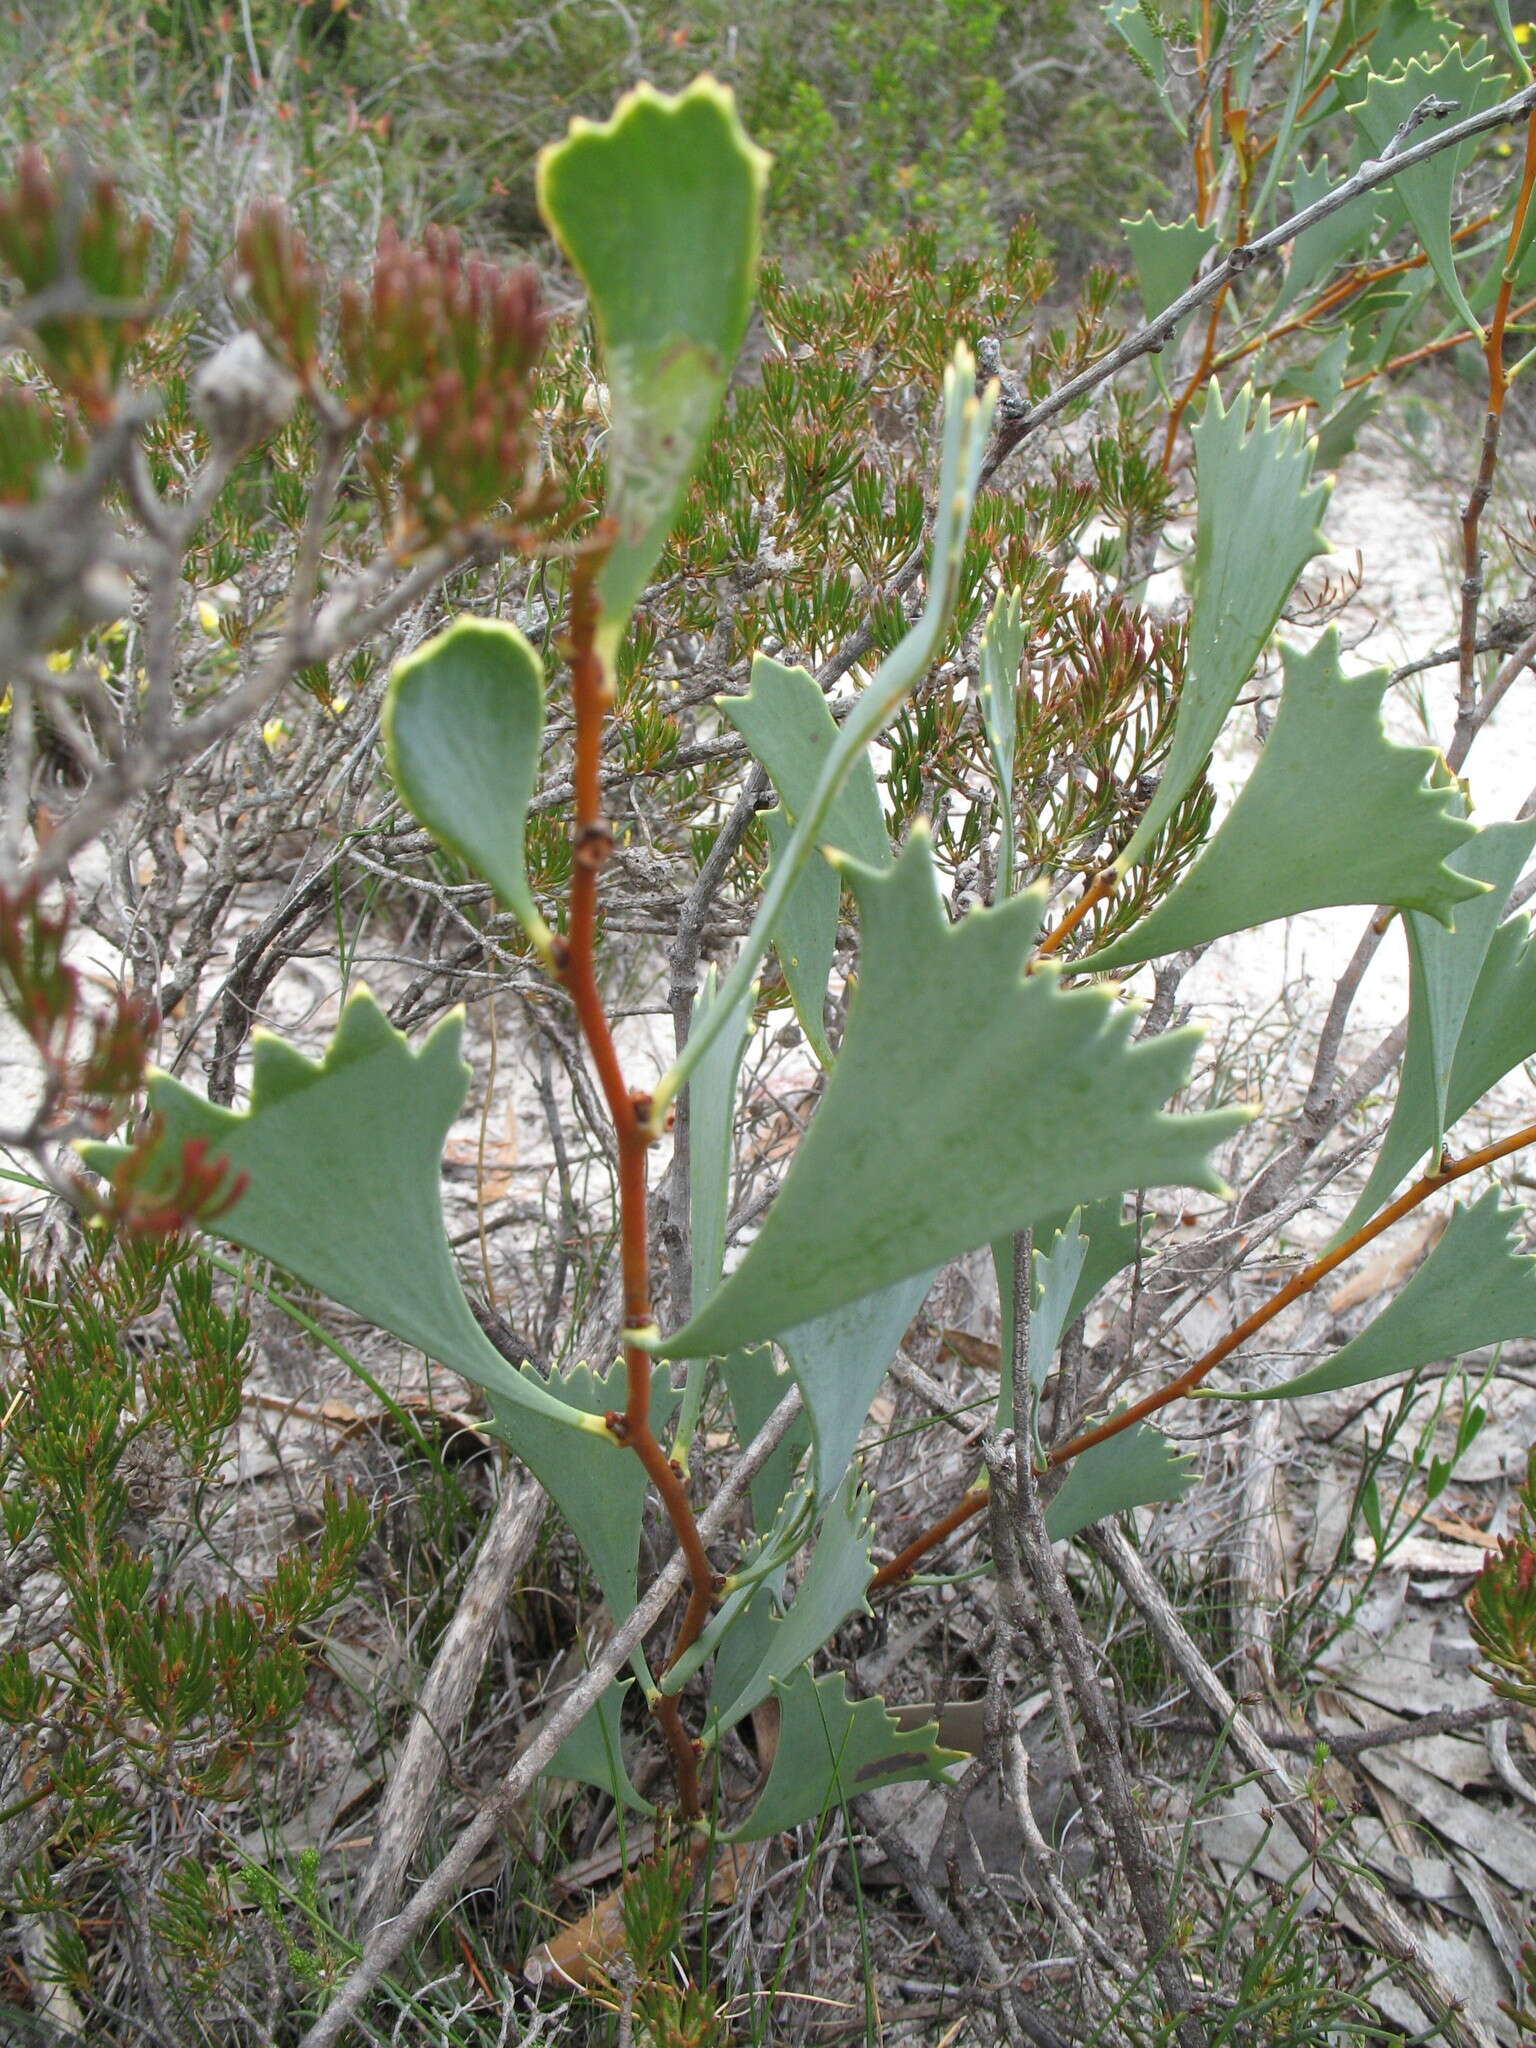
1473	1289
840	1360
967	420
1333	812
1132	1470
343	1166
598	1486
1445	993
463	723
832	1748
593	1753
834	1587
658	209
1057	1275
1112	1245
997	697
755	1389
804	933
711	1121
924	1146
785	721
1167	254
1257	530
1428	190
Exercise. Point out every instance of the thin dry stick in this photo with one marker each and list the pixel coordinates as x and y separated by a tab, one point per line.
389	1940
1376	1914
629	1109
971	1504
446	1696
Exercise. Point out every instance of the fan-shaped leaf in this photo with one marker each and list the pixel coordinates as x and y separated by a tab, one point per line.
925	1145
343	1165
1473	1289
658	209
1133	1470
1333	812
840	1360
1428	190
1256	531
832	1748
1445	993
463	722
593	1753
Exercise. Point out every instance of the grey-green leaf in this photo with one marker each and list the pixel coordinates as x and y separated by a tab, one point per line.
711	1125
658	209
1133	1470
593	1753
1428	190
463	723
832	1748
1444	994
1257	529
598	1486
924	1145
840	1360
1473	1289
343	1163
785	720
1333	812
835	1583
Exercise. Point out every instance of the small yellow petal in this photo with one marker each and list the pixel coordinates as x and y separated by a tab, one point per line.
207	616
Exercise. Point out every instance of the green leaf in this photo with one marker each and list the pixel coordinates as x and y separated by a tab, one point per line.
785	720
1445	972
1473	1289
997	697
1256	532
805	932
1167	254
835	1583
967	421
1057	1275
1500	1028
593	1753
840	1360
463	724
599	1486
658	209
1112	1245
711	1125
1509	40
1333	812
788	724
343	1160
1319	248
924	1145
1428	190
1132	1470
832	1748
755	1389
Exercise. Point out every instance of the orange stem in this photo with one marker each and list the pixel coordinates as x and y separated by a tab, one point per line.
972	1503
629	1109
1103	885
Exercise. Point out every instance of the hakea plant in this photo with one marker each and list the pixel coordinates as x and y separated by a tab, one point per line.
974	1097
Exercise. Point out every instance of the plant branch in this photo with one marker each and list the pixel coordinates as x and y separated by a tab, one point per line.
971	1504
389	1940
629	1110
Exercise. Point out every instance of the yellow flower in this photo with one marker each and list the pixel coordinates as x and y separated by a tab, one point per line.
274	732
208	617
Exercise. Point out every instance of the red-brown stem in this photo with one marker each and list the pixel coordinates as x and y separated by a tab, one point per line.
577	968
971	1504
1103	885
